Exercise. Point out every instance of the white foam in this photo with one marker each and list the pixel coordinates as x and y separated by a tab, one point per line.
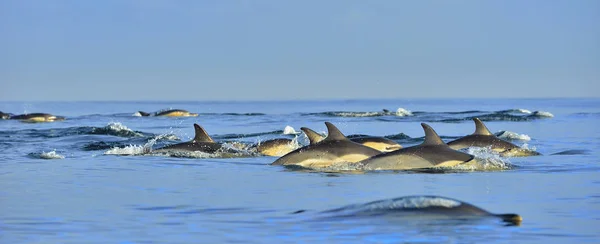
137	114
128	150
486	159
118	127
543	114
509	135
288	130
51	155
401	112
524	111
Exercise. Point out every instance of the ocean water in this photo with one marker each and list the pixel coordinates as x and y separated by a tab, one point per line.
87	179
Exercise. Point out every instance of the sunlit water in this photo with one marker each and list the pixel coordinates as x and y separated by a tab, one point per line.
61	183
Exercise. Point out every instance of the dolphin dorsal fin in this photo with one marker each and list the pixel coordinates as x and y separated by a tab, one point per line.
431	137
480	128
201	135
313	136
333	133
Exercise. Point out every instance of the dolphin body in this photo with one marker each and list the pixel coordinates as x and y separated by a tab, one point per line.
378	143
37	117
201	142
482	137
170	113
420	206
276	147
335	148
433	152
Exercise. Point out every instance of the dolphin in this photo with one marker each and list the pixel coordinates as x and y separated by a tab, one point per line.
420	206
201	142
335	148
482	137
378	143
37	117
170	113
433	152
276	147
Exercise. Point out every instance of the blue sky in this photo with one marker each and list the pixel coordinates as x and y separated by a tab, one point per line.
272	50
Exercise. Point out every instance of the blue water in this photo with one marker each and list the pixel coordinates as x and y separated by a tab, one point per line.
60	184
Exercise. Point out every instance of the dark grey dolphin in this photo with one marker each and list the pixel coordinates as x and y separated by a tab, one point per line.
201	142
482	137
378	143
276	147
335	148
433	152
418	206
170	113
37	117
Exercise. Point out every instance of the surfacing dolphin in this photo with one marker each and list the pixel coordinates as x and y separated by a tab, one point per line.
422	207
169	113
276	147
482	137
37	117
335	148
378	143
433	152
201	142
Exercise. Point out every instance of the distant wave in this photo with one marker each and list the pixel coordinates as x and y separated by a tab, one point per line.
112	129
450	117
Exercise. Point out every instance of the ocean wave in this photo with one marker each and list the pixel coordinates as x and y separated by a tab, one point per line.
518	114
227	150
128	150
509	135
542	114
47	155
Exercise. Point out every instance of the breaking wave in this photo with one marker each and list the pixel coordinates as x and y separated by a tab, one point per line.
47	155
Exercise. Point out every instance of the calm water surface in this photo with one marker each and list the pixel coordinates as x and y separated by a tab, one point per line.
60	184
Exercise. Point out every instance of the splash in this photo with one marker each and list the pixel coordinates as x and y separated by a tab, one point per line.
288	130
542	114
509	135
523	111
486	159
401	112
127	151
137	114
116	129
51	155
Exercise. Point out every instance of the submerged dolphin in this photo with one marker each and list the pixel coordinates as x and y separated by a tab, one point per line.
37	117
378	143
433	152
335	148
419	207
482	137
276	147
201	142
170	113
